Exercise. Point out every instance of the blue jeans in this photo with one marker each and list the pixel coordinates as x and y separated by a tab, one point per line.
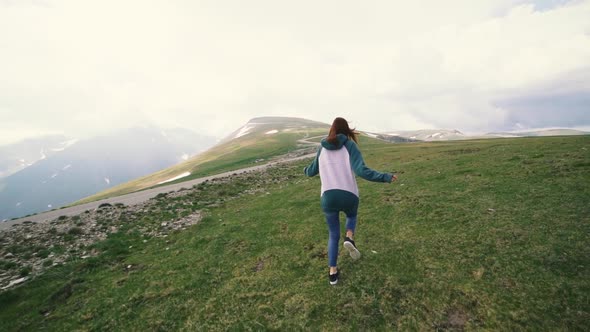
333	221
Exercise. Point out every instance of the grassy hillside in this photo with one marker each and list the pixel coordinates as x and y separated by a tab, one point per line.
235	152
489	235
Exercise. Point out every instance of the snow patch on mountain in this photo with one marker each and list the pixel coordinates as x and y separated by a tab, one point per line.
66	167
176	177
65	145
245	130
107	180
270	132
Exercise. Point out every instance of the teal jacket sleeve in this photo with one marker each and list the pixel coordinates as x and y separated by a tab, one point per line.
358	165
314	168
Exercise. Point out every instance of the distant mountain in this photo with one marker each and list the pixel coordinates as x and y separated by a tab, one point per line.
263	125
427	135
17	156
92	165
259	140
390	138
543	132
430	135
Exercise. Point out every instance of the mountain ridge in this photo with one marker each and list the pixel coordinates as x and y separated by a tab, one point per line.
19	155
429	135
259	139
94	164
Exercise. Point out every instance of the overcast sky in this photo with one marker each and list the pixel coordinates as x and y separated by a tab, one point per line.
80	67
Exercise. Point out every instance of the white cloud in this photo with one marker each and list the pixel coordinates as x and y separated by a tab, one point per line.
80	67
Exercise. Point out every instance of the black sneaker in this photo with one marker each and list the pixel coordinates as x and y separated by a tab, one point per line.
351	247
334	278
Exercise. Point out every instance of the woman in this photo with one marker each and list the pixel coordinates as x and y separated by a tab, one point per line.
336	160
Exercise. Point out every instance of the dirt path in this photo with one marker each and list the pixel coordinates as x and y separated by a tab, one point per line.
141	196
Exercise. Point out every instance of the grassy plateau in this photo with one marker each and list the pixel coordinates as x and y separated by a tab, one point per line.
475	235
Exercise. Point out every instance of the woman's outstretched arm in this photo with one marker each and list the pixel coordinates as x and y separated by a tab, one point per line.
358	165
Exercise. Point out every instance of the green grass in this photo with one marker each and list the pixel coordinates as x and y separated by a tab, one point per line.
476	235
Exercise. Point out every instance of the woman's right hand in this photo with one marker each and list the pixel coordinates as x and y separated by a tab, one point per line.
393	177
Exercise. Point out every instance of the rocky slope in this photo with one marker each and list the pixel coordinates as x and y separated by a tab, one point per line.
29	249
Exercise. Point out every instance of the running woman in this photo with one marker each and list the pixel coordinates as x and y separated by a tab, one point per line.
337	161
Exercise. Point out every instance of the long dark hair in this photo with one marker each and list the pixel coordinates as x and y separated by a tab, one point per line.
340	126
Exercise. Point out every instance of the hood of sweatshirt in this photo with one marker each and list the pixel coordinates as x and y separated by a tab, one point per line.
329	146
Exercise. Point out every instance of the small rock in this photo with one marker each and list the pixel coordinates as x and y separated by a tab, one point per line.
491	210
128	267
8	255
164	224
15	282
144	241
167	248
477	274
373	251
